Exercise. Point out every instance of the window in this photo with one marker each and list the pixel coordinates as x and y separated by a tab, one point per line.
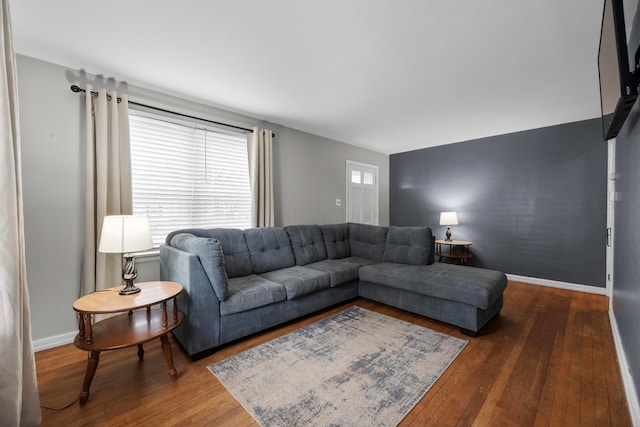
187	176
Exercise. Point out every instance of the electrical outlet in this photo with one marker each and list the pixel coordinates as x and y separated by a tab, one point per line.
338	202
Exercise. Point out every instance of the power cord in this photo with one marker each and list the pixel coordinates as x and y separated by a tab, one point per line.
60	409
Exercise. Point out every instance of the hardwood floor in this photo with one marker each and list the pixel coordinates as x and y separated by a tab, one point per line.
548	359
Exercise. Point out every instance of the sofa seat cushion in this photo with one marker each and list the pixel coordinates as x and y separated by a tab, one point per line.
359	260
252	291
474	286
340	271
299	281
307	243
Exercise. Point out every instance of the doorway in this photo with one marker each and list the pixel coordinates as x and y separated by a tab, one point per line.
362	193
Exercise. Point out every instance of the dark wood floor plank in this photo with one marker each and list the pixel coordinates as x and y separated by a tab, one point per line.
547	359
536	360
561	305
599	363
514	338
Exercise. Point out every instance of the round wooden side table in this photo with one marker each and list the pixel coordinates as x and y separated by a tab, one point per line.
140	324
458	251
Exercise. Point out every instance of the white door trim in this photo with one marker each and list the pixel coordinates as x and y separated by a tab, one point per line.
611	203
350	163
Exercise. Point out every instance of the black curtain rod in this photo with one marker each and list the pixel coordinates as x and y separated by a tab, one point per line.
75	88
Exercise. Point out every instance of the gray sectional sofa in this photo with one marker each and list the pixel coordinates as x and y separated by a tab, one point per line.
240	282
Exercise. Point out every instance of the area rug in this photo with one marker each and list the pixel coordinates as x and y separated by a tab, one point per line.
354	368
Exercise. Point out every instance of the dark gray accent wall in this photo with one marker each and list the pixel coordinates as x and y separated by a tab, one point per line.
626	264
533	203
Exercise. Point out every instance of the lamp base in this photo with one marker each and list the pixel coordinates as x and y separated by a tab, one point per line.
129	289
448	234
129	275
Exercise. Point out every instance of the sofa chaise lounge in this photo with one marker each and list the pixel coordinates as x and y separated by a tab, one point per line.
240	282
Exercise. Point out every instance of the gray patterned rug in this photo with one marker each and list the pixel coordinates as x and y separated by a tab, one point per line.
354	368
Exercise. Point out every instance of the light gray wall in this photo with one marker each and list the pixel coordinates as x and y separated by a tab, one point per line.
52	177
309	176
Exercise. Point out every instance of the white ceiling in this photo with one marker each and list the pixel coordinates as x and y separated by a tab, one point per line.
389	75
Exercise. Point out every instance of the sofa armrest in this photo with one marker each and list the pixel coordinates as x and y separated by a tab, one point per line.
200	330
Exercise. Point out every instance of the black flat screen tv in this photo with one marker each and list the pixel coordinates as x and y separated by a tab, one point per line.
618	85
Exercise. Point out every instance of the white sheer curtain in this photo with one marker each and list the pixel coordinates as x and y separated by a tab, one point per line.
19	400
260	153
107	183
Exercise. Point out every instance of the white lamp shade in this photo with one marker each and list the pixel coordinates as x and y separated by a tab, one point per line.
125	233
448	218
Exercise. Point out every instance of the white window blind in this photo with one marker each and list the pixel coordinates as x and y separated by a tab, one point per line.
187	176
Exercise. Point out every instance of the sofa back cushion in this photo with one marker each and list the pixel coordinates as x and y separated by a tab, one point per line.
307	243
236	253
336	240
269	249
409	245
367	241
209	251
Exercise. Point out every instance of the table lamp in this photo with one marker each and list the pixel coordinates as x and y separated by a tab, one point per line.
448	218
125	234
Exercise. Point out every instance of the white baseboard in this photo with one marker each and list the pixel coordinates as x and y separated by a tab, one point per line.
54	341
557	284
627	380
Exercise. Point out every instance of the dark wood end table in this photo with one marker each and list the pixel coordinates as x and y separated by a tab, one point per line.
140	324
458	250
